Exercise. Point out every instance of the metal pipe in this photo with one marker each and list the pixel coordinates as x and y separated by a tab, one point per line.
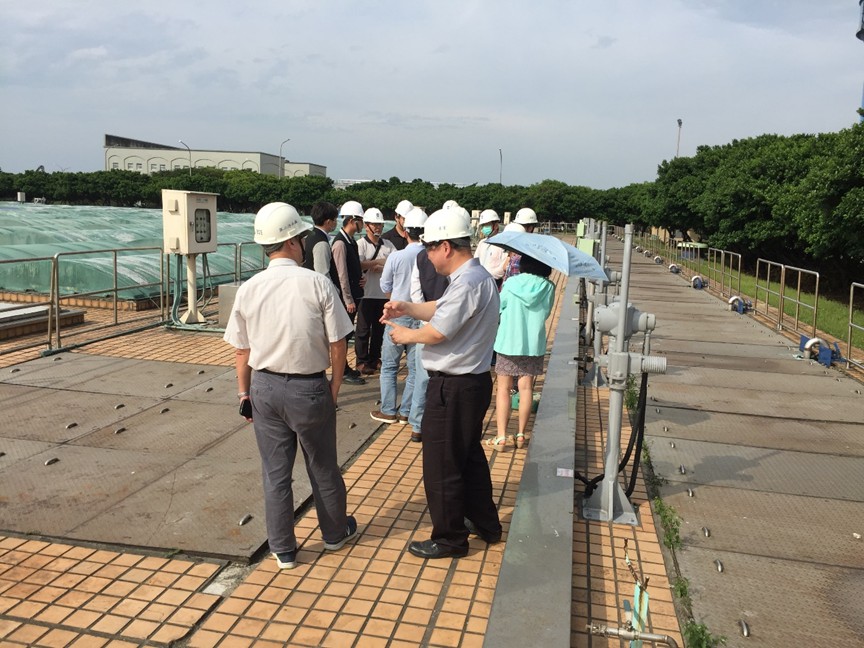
632	635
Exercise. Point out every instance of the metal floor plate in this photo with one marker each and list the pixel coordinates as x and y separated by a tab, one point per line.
814	383
157	457
848	409
775	525
785	603
798	435
760	469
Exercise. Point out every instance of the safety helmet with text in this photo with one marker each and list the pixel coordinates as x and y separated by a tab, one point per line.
373	215
489	216
526	216
415	218
404	207
447	224
277	222
450	204
351	208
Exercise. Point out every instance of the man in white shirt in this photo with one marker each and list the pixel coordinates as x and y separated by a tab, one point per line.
287	327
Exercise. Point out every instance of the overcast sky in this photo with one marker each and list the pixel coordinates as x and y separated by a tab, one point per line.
583	91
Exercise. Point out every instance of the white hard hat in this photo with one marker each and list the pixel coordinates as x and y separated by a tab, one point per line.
446	224
450	204
526	216
415	218
404	207
373	215
277	222
488	216
351	208
514	227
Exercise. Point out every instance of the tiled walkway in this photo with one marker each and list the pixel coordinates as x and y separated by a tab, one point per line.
371	593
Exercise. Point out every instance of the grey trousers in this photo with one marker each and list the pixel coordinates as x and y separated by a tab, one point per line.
285	411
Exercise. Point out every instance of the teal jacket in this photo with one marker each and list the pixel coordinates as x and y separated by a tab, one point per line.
526	302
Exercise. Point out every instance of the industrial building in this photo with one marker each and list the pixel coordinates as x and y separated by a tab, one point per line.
146	157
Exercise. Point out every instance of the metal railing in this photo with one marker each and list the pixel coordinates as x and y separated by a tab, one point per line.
852	328
780	317
57	298
243	266
724	271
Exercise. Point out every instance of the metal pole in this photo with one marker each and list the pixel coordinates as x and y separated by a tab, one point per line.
603	289
281	159
678	146
609	503
500	167
190	156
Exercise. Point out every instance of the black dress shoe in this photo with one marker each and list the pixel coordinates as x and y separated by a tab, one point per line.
430	549
353	379
488	538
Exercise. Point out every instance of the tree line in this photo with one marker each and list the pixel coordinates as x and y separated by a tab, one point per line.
795	199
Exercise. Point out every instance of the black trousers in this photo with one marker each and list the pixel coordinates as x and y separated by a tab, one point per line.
369	333
455	470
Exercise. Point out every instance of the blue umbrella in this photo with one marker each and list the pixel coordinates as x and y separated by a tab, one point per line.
552	251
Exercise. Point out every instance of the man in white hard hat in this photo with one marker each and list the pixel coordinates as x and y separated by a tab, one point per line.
396	235
491	257
346	261
396	284
527	218
287	327
458	341
319	257
369	333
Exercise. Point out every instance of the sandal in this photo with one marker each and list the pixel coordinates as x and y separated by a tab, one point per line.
498	443
520	440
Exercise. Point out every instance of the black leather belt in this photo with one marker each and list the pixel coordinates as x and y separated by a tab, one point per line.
319	374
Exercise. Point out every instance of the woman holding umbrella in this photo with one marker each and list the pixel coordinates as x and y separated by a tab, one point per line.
526	303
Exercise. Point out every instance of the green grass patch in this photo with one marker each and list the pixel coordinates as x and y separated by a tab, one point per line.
671	524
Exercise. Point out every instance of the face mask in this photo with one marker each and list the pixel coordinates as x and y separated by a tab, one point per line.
486	230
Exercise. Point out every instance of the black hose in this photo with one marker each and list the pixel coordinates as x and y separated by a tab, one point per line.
636	436
639	432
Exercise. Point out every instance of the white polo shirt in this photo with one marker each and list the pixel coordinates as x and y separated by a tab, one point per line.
287	316
372	289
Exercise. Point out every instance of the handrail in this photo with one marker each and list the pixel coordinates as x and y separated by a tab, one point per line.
56	296
768	266
54	336
718	276
853	326
782	297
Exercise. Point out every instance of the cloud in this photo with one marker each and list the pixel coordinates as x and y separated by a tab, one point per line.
583	92
87	54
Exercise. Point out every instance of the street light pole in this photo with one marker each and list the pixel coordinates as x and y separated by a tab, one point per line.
500	166
190	156
281	159
678	146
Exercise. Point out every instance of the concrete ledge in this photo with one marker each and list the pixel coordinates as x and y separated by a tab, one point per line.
17	322
533	597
